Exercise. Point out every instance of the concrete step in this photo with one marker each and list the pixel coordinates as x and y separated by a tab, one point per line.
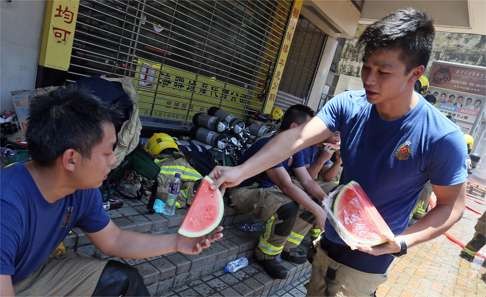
249	281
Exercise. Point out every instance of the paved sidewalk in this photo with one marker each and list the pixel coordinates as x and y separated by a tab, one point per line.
435	268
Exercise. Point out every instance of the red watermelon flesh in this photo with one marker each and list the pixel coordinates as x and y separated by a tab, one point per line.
361	222
205	213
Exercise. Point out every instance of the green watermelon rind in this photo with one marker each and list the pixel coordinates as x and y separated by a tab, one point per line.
347	236
210	228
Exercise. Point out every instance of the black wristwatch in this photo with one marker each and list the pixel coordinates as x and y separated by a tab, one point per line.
403	249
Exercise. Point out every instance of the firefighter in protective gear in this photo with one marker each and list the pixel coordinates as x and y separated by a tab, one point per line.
277	113
478	240
469	142
160	142
422	85
271	197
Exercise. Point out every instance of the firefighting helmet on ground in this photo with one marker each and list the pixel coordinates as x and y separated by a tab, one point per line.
277	113
422	85
160	142
469	142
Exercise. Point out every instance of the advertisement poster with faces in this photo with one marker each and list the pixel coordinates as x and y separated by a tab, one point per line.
460	91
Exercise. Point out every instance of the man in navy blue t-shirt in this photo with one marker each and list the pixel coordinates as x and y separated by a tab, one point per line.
71	137
272	197
392	142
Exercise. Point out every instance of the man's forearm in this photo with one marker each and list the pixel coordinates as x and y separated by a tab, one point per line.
136	245
279	148
332	172
316	167
435	223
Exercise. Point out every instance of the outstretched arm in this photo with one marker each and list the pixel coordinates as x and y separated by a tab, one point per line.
276	150
114	241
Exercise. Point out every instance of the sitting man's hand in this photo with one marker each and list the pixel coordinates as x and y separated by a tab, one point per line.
193	246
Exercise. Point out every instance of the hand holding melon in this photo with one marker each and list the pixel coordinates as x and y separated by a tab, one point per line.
206	211
356	219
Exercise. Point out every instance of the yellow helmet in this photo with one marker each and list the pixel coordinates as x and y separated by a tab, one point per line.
422	85
469	141
277	113
160	142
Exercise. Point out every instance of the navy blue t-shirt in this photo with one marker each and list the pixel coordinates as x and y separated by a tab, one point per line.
31	228
262	179
392	160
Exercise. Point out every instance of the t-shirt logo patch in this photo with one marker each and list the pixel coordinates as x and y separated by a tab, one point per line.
404	151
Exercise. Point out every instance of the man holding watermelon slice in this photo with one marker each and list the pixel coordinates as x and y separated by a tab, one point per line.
71	138
392	142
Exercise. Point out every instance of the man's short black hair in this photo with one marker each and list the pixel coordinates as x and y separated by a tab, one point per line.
407	29
297	113
63	119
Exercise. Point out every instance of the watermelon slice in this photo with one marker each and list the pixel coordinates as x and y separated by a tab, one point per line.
205	213
356	219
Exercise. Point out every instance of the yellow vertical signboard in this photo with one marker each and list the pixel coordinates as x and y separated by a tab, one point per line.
282	56
58	33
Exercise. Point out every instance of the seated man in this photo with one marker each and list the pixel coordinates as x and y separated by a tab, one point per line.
71	137
324	161
276	199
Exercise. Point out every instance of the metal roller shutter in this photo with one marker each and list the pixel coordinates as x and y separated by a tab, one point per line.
185	55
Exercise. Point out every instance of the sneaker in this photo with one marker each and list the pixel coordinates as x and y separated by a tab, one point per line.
297	256
466	256
274	268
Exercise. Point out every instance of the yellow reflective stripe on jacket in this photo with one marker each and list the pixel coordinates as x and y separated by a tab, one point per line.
187	174
315	232
295	238
269	249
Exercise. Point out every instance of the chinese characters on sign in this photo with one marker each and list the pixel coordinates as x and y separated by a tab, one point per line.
168	92
58	35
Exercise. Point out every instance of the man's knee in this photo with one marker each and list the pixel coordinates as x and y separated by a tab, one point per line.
287	213
120	279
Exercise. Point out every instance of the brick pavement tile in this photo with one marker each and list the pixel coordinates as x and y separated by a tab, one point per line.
159	223
178	289
218	273
190	293
243	289
141	209
204	290
123	223
114	214
127	211
217	284
287	295
166	268
229	279
134	261
153	289
229	292
165	285
180	261
296	293
207	278
148	272
256	286
241	275
181	279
